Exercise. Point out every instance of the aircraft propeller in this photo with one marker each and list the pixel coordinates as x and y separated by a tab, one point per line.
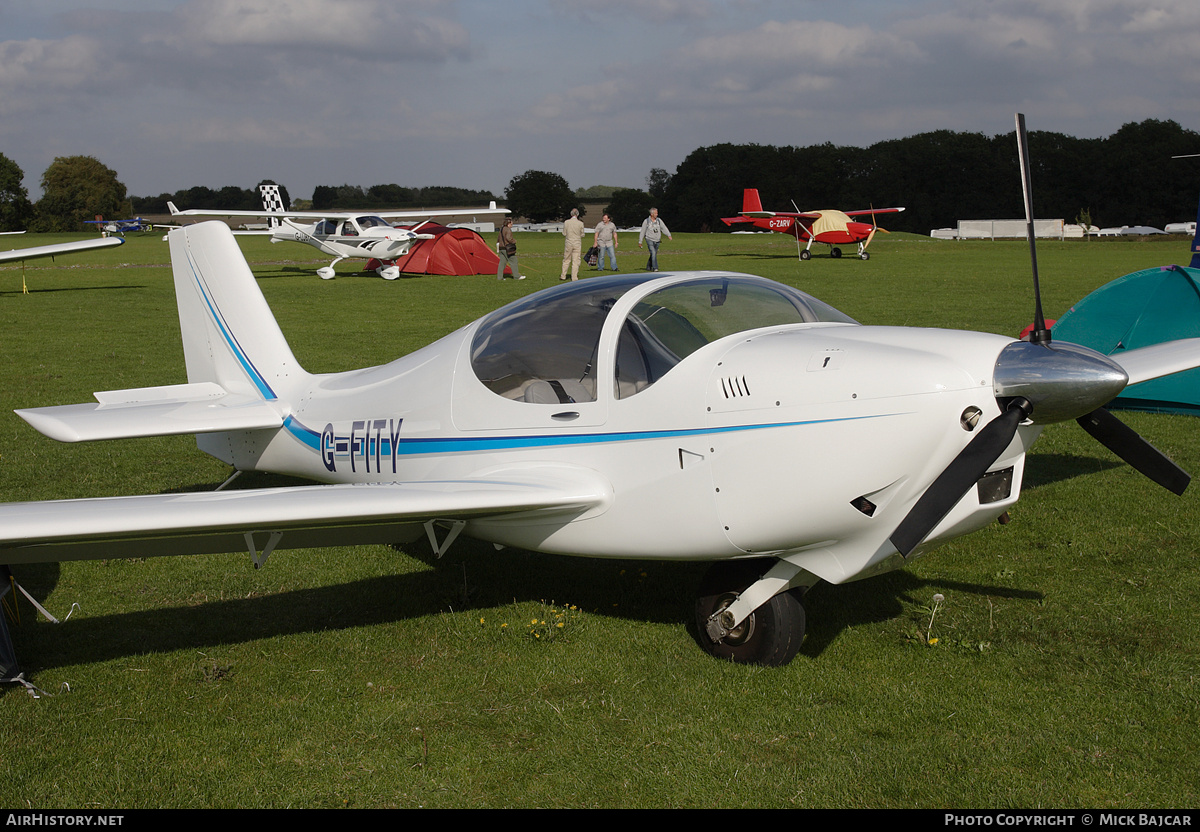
874	229
1042	383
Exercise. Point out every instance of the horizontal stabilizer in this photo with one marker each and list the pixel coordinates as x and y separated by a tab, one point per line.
295	517
176	409
1157	360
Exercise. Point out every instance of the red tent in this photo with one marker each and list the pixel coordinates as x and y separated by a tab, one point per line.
453	251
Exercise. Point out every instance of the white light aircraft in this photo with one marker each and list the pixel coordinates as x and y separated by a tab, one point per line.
356	235
693	416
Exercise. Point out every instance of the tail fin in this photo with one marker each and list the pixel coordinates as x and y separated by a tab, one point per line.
171	207
272	201
750	201
230	336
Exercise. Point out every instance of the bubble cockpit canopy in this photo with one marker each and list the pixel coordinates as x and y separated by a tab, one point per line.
544	347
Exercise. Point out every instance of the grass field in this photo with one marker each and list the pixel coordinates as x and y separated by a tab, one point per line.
1064	672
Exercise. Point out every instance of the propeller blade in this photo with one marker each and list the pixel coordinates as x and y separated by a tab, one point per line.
1040	334
958	477
1123	441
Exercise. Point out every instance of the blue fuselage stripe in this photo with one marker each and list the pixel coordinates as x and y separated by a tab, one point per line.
232	343
470	444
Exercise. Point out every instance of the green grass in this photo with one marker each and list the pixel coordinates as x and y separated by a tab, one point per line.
1064	672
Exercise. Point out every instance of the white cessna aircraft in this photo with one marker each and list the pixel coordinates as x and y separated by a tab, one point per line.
341	235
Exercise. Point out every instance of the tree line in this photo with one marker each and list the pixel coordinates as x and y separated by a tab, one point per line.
942	176
939	177
354	197
229	198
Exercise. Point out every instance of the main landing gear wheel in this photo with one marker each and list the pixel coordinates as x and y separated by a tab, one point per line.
770	636
865	256
805	255
835	253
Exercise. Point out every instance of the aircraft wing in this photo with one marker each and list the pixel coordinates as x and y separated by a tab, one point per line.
332	215
292	517
870	211
812	215
58	248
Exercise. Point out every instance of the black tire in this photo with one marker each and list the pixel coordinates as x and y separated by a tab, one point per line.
865	256
835	253
770	636
805	255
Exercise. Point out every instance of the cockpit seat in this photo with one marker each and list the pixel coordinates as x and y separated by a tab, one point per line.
557	391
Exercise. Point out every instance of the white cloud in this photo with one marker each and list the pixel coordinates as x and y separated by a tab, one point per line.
602	87
651	11
33	68
375	30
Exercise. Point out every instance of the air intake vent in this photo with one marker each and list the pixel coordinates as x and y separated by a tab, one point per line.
995	486
735	387
864	505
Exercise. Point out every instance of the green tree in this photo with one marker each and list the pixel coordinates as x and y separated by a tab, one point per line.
629	207
1141	185
323	197
656	183
596	192
75	189
540	196
389	196
15	208
1085	219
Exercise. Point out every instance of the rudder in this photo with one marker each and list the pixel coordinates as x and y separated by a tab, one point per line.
230	336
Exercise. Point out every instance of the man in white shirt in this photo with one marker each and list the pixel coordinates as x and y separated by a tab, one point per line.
573	231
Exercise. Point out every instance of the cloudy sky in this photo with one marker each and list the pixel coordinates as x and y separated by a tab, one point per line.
176	93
